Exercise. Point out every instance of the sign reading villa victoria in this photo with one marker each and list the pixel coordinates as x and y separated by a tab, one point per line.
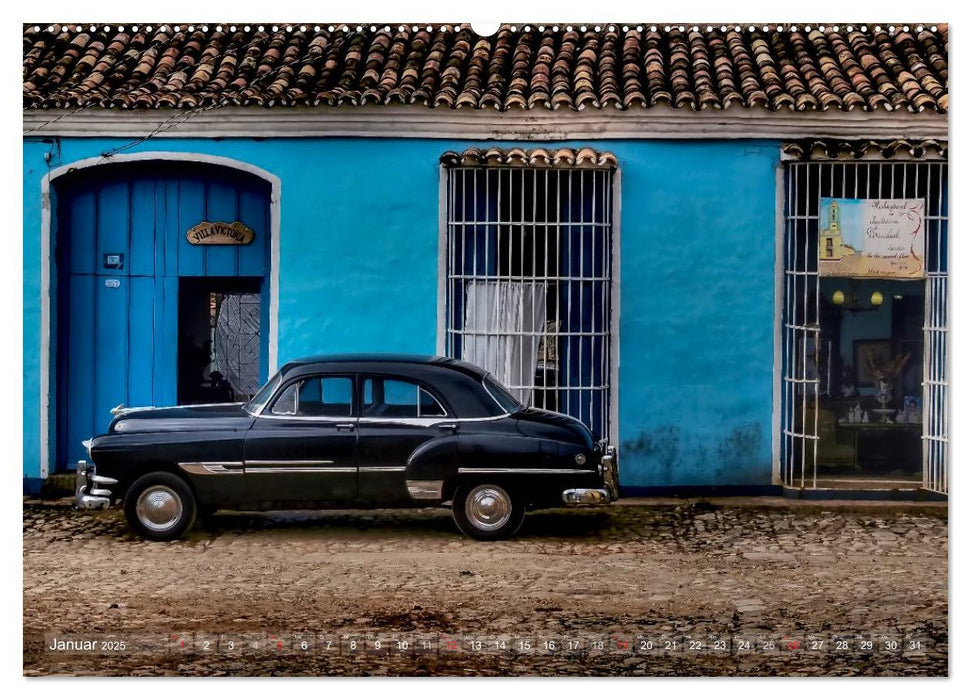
876	238
220	233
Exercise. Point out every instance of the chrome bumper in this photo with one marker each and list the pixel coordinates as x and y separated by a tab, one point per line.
90	489
609	470
586	497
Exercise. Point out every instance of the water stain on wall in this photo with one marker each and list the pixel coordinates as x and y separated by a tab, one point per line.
671	455
661	445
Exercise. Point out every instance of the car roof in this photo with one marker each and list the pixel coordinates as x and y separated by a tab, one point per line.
372	361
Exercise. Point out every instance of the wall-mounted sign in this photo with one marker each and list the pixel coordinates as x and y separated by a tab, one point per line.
875	238
220	233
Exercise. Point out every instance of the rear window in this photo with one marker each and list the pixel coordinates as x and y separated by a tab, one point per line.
501	395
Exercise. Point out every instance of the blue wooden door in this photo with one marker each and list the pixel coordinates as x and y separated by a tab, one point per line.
120	252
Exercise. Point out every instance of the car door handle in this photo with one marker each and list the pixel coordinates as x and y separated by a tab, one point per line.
448	426
345	426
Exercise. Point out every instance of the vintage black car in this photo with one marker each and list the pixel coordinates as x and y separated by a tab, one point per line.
351	431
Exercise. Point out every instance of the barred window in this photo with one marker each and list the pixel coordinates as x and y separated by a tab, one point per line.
528	283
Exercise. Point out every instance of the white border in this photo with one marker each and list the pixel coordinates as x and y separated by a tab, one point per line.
46	263
779	282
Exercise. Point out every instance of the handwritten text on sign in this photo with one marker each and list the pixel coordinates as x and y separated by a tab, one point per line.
876	238
220	233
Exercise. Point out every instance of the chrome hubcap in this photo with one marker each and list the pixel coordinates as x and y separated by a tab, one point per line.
158	508
488	507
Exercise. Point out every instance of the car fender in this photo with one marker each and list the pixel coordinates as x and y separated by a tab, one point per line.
434	459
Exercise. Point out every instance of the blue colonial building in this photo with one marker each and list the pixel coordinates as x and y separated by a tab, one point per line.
620	222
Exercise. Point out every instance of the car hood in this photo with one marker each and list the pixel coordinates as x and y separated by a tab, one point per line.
220	416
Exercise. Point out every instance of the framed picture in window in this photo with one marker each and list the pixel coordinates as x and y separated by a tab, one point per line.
882	350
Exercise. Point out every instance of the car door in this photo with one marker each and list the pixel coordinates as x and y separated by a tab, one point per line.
397	417
302	448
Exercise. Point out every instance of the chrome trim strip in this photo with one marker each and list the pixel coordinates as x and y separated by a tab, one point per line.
211	467
425	490
388	468
521	470
301	470
417	422
442	421
288	462
316	419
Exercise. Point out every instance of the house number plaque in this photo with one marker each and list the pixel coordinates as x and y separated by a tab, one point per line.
220	233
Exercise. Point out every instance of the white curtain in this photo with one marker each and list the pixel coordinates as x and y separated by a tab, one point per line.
504	322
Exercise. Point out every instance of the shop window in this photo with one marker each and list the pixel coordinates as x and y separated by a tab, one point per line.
864	388
528	283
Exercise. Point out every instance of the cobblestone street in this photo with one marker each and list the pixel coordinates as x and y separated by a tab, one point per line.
677	569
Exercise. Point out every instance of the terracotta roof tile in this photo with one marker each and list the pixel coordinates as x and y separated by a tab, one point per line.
829	149
535	157
802	68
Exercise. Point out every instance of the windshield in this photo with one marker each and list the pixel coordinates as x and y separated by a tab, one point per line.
256	404
501	394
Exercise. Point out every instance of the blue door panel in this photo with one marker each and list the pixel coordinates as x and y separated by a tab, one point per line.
253	212
111	338
80	221
117	328
113	217
141	341
221	260
167	225
166	348
78	404
142	250
191	201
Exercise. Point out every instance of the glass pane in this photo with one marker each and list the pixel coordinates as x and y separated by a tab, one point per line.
429	406
325	396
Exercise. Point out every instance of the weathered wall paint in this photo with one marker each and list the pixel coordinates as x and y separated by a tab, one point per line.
359	266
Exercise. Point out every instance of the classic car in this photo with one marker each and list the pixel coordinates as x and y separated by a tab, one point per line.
351	431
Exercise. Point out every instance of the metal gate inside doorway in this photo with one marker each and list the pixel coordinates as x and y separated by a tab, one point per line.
528	270
802	354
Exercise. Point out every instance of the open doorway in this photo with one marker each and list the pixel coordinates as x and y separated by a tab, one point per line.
219	339
870	363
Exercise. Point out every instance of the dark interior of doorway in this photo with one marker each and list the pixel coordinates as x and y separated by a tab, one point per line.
861	437
219	339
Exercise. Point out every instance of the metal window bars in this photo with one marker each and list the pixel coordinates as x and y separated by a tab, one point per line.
528	282
805	184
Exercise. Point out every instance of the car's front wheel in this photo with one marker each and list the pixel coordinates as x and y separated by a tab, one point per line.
160	506
487	511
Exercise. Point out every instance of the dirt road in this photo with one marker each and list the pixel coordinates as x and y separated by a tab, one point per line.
609	589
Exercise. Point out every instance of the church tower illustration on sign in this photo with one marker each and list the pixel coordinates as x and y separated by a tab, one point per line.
831	246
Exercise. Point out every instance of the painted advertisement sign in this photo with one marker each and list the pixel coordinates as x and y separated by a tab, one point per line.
874	238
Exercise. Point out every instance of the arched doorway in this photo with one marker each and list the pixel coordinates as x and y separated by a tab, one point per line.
142	313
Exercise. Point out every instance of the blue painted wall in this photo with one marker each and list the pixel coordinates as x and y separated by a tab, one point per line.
359	272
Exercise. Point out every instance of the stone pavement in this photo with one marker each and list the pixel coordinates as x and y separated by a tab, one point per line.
645	573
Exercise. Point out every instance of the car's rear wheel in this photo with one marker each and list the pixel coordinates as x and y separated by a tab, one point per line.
487	511
160	506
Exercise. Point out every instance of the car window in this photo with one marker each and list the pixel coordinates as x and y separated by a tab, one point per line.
501	395
395	398
329	397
